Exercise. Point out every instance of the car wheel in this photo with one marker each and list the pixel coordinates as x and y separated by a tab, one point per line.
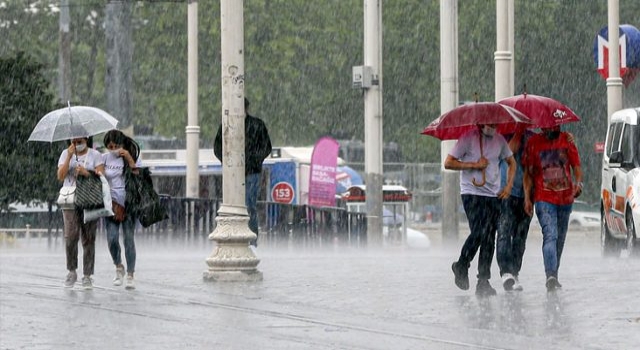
632	241
609	247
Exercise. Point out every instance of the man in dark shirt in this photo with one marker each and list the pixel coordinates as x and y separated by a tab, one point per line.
257	147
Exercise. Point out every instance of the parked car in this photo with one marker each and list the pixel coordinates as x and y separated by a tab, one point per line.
582	215
620	187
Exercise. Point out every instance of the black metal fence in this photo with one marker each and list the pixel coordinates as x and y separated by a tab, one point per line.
282	224
194	219
279	223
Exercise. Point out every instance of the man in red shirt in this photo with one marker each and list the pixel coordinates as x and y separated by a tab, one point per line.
551	162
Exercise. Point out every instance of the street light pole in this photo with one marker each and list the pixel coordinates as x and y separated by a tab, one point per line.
192	129
502	56
373	137
512	30
448	101
614	82
64	54
232	259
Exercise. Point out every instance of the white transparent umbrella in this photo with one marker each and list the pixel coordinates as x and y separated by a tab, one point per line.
72	122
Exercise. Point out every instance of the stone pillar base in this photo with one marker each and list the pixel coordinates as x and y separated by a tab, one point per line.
232	260
232	276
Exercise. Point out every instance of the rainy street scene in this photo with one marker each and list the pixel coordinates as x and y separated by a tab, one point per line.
334	297
352	174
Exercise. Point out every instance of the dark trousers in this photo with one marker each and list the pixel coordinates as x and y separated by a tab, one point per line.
74	230
482	213
513	229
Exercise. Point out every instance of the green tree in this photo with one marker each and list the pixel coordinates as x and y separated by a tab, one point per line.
28	168
298	59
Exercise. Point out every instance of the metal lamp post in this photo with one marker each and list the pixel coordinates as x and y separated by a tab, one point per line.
232	259
614	82
373	120
448	101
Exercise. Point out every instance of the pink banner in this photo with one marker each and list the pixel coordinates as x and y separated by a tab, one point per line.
322	175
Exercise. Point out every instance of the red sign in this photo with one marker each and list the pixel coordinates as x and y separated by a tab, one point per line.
356	194
598	147
282	192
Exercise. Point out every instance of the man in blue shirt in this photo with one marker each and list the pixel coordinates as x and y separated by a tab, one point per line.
513	225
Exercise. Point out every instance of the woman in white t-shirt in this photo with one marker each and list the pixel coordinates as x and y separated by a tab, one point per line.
122	152
77	160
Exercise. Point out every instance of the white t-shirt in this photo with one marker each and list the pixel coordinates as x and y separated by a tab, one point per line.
114	172
467	149
89	161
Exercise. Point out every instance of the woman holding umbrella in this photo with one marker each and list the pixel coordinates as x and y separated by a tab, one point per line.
77	160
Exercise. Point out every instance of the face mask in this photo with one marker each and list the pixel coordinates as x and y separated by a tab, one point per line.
81	147
115	152
488	131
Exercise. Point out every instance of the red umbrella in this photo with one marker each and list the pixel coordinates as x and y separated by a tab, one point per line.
545	112
458	121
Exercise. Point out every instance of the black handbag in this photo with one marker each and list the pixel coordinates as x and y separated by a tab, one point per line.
142	199
89	192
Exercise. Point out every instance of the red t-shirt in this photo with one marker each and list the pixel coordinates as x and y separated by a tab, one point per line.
550	163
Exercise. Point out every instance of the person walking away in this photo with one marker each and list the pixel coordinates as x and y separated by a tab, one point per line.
477	154
257	147
551	162
513	225
77	160
122	152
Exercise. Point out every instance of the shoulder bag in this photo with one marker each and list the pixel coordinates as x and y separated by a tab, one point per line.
67	197
89	192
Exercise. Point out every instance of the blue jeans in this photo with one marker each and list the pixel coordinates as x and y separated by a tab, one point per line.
252	187
554	220
482	213
513	229
113	239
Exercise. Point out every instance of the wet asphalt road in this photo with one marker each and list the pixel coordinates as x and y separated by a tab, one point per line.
330	298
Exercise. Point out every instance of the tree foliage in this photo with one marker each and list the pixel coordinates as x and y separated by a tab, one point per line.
299	55
28	168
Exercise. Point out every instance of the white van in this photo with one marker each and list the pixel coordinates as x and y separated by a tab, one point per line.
620	189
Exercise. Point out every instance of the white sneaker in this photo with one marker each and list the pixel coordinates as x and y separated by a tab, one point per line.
508	281
117	281
517	286
129	284
71	279
87	282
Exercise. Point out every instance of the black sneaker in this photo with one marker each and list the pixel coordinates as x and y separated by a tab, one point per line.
552	284
462	275
484	289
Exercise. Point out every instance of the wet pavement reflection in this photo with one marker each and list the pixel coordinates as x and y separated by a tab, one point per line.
331	298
